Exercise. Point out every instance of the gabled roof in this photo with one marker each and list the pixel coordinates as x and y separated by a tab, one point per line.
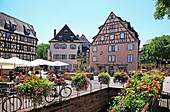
66	34
128	28
83	38
4	18
147	42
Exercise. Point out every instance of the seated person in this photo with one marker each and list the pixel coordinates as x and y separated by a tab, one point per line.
19	77
5	78
50	76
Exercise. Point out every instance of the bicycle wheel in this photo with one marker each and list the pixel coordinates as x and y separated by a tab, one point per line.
50	97
65	92
11	104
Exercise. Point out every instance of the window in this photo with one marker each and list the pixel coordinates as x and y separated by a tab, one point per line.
122	35
94	58
57	46
14	27
7	25
7	45
28	48
71	38
113	48
72	56
8	35
28	40
28	57
28	31
112	37
63	56
111	58
7	56
22	39
112	16
66	31
21	56
63	46
72	46
111	27
102	38
94	48
21	47
130	46
130	58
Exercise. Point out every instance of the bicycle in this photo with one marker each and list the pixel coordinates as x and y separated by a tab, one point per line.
11	103
64	92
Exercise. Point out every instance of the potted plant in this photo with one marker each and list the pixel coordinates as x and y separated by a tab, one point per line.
121	77
104	78
35	88
79	81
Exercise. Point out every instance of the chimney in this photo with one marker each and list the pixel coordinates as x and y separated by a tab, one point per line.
54	32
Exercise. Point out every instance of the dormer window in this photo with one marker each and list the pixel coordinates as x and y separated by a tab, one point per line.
66	31
14	27
60	38
26	30
7	25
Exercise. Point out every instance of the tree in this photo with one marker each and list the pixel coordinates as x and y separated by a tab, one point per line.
162	8
157	51
42	50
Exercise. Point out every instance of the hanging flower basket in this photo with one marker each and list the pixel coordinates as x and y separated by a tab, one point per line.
104	78
121	77
80	81
35	88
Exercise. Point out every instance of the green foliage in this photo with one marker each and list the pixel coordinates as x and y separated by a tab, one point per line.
42	51
79	81
162	8
34	88
157	51
104	78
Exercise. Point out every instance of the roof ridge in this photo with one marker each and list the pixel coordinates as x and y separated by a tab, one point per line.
16	18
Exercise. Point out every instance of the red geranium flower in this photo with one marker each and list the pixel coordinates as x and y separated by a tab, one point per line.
155	97
155	82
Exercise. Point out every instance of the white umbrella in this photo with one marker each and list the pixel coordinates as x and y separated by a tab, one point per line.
60	63
38	62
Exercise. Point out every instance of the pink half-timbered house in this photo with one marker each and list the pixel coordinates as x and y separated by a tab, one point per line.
115	46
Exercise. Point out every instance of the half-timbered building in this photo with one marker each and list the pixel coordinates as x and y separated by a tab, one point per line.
17	38
115	46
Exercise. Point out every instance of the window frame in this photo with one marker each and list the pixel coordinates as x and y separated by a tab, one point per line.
111	26
113	36
131	58
122	34
112	57
102	38
130	46
94	57
71	46
94	50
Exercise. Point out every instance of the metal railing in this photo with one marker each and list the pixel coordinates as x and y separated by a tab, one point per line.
26	103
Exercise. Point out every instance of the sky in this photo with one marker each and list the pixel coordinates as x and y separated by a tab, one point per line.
85	16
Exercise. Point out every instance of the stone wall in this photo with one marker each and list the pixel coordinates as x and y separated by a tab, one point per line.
91	102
